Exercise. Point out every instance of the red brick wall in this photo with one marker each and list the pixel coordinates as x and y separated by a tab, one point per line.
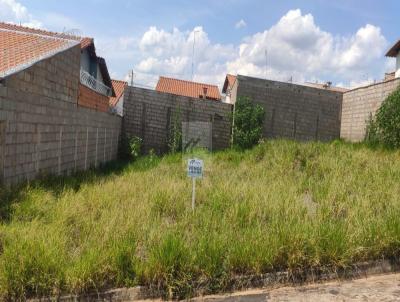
90	99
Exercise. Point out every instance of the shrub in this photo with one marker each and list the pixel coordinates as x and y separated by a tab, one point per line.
135	147
248	123
175	133
385	126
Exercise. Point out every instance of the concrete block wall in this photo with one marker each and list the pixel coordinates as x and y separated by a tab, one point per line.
42	128
361	103
149	114
294	111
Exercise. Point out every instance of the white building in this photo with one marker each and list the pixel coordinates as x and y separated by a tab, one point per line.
394	52
230	89
117	102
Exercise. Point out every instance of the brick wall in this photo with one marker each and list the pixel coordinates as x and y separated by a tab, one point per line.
149	114
359	104
294	111
89	98
42	128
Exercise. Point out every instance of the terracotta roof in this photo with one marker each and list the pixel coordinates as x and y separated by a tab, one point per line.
187	88
323	86
21	49
85	41
394	51
229	81
23	46
119	88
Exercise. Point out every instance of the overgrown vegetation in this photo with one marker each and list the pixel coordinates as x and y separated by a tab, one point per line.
130	148
248	120
135	147
280	206
384	128
175	132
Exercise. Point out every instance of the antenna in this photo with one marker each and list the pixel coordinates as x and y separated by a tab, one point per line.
132	76
72	32
194	44
266	64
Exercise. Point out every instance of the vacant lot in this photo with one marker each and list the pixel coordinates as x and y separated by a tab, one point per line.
280	206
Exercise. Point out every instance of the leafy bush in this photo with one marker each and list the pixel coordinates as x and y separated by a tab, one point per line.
385	126
175	133
135	147
248	123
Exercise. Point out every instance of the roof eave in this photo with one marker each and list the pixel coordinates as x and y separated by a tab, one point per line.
394	50
105	74
29	64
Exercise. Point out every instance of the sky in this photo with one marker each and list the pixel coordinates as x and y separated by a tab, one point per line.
342	41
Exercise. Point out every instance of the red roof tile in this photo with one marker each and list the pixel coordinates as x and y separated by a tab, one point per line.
20	49
119	88
187	88
394	51
85	41
229	81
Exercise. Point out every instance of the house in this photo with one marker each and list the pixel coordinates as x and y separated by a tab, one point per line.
117	101
229	88
326	86
188	89
22	47
54	106
394	52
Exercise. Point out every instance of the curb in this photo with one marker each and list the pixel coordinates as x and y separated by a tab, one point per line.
265	281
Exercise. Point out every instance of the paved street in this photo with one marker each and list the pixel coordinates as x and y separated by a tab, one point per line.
377	288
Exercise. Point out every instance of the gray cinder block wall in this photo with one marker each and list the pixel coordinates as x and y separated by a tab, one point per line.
149	114
359	105
42	128
294	111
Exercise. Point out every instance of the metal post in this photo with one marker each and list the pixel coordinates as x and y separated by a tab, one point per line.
193	192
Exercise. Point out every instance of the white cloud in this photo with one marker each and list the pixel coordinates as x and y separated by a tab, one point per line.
296	48
240	24
15	12
171	54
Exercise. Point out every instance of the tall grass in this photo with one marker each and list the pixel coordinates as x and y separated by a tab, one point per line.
281	206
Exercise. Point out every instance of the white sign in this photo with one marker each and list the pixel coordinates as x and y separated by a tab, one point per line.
195	168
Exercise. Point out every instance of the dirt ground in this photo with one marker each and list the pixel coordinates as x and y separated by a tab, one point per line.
376	288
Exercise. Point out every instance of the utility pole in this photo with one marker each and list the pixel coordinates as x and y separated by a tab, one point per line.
132	76
266	64
194	45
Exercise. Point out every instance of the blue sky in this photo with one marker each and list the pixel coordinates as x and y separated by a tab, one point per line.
306	40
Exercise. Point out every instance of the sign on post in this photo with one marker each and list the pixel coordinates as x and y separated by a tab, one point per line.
195	170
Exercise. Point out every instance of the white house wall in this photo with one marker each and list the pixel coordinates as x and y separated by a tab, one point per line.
119	108
398	66
85	65
85	60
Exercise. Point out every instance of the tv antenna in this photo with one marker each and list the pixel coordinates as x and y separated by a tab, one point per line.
72	32
266	64
131	76
194	45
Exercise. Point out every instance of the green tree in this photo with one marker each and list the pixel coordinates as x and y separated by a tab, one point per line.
248	120
384	128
